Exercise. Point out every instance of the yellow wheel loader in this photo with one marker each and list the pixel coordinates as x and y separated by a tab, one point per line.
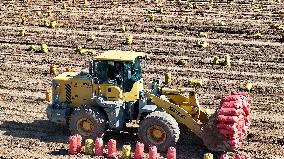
112	94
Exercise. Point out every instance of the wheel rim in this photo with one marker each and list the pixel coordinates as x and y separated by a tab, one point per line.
85	126
156	134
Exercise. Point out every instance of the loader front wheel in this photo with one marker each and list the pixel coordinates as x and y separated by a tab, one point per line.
88	122
159	129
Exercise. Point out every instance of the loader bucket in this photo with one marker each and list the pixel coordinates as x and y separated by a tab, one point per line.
228	126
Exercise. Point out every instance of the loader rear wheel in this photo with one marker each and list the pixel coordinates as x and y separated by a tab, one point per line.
159	129
88	122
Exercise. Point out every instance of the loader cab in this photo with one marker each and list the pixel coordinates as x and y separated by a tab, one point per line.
117	68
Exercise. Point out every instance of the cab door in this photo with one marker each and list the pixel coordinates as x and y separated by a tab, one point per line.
109	80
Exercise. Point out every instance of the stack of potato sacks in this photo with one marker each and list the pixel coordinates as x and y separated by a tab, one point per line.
233	118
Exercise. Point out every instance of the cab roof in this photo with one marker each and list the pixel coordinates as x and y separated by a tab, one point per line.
117	55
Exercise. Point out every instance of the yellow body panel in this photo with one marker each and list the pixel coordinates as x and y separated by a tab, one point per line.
66	75
61	80
186	99
170	91
81	91
191	105
182	100
166	90
112	93
73	88
116	55
133	95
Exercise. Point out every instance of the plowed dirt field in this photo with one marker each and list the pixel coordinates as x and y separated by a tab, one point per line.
25	131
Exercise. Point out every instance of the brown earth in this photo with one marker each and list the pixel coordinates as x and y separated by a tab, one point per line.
25	131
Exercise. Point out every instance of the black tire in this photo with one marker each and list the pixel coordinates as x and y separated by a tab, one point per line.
94	116
160	120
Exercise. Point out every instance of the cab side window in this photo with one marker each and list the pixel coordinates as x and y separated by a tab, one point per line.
100	68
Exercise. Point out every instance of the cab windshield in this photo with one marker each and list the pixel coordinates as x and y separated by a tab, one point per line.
121	73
